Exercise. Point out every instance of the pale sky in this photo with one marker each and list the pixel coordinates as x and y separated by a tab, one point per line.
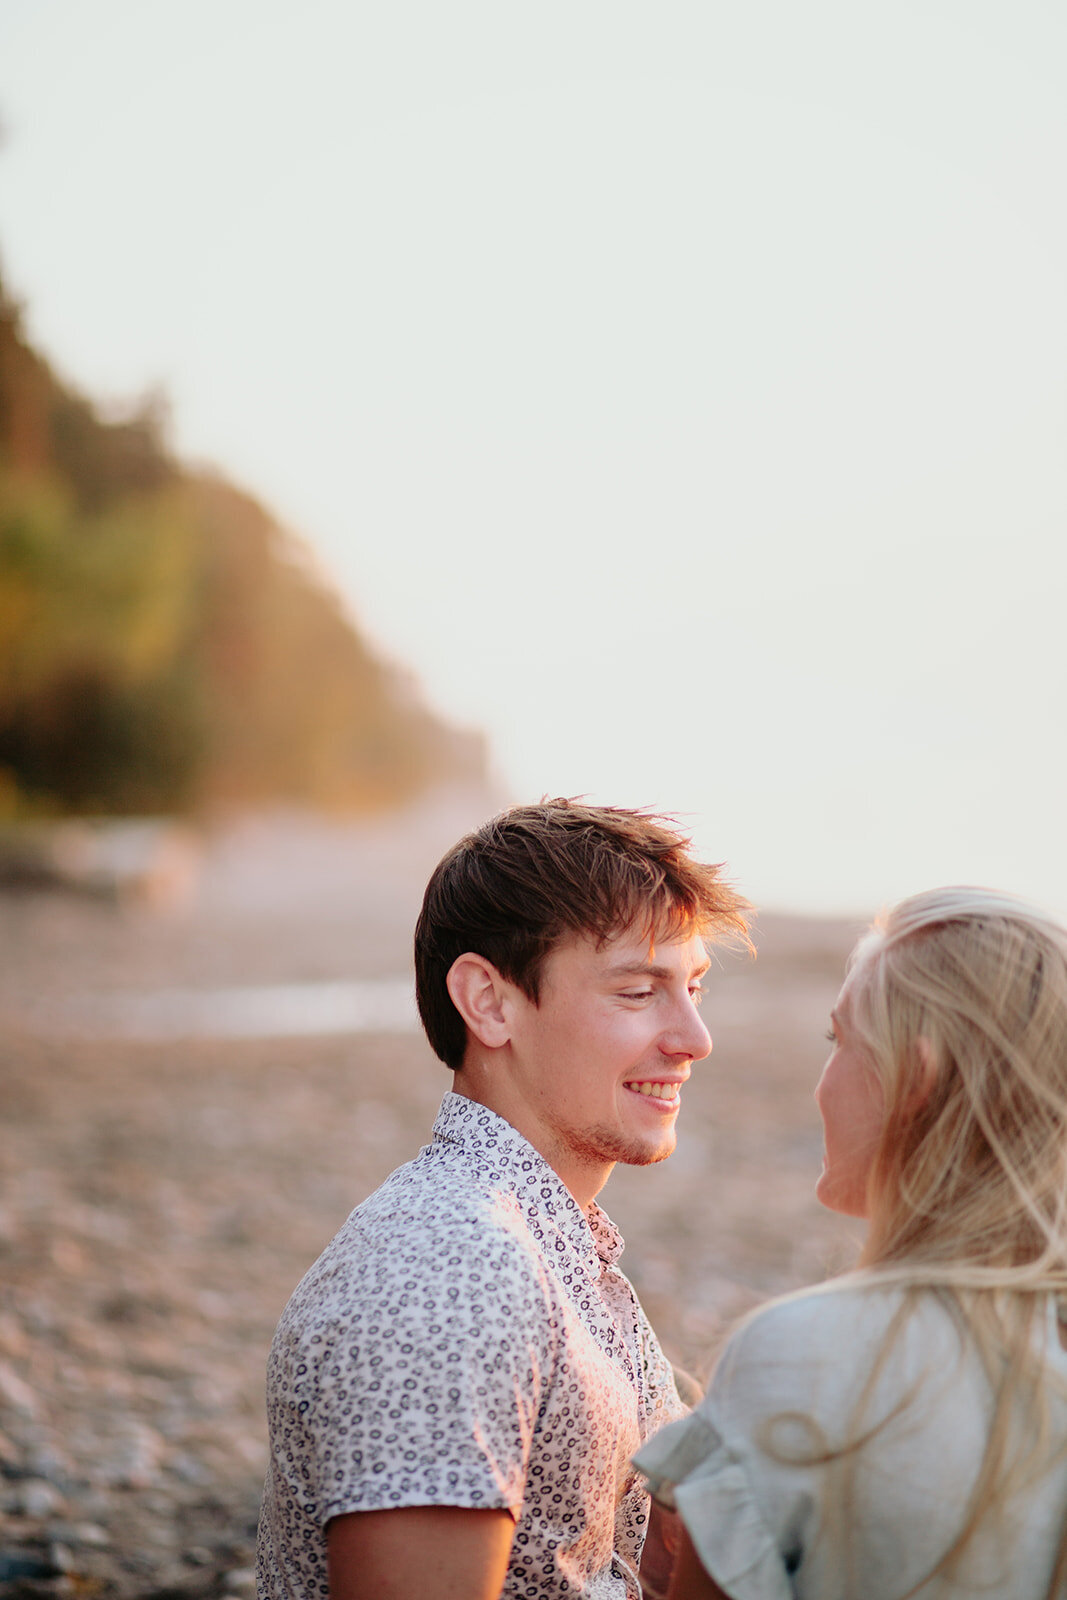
678	389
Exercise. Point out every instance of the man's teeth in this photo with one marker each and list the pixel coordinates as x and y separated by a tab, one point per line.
662	1091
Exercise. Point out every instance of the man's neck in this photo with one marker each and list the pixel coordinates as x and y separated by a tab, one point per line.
584	1178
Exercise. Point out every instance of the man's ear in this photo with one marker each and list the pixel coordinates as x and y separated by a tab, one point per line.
479	994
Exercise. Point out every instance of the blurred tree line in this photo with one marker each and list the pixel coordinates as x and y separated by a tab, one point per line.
164	646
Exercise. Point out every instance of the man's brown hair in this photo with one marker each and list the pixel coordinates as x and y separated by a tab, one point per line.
530	877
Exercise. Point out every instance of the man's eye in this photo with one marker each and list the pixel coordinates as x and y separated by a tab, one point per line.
697	993
637	994
831	1035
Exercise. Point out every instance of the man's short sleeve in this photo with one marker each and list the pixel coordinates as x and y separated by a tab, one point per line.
415	1377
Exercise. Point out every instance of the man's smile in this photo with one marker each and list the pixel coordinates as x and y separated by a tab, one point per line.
667	1093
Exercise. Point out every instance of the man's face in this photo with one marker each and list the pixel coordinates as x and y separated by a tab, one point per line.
599	1062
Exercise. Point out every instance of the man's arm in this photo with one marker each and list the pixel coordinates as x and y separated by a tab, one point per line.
670	1567
660	1552
451	1552
691	1579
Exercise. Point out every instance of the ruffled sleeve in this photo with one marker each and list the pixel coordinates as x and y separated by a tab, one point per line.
691	1470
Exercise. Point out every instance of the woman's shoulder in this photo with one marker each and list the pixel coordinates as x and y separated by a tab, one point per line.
856	1302
832	1333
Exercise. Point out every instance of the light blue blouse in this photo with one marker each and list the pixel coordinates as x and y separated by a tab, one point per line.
776	1511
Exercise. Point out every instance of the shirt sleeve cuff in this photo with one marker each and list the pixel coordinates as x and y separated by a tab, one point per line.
691	1470
385	1498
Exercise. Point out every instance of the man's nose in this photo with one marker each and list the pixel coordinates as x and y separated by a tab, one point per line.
688	1036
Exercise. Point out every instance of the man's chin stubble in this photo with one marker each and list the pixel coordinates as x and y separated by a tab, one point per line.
598	1145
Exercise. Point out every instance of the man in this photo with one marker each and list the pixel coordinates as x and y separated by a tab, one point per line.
457	1386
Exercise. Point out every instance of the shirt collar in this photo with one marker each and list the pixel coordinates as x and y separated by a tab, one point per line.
495	1145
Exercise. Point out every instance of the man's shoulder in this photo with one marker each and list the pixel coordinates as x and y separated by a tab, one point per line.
429	1224
435	1200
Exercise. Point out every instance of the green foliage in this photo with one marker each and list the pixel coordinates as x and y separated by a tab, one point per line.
110	592
163	645
101	693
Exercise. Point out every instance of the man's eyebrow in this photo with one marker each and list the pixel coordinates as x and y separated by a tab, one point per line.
651	969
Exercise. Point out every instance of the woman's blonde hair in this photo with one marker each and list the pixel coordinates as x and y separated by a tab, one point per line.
959	996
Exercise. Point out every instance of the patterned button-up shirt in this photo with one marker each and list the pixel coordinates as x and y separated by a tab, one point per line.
467	1339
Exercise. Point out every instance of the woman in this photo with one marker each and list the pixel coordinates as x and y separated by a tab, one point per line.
902	1431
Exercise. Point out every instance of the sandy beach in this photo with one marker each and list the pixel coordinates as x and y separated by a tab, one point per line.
161	1195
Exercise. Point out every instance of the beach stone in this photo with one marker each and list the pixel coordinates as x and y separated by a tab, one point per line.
95	1502
13	1340
133	1459
81	1534
25	1564
16	1392
36	1497
241	1581
188	1468
43	1457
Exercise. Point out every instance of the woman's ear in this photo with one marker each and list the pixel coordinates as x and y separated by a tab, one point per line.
478	993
